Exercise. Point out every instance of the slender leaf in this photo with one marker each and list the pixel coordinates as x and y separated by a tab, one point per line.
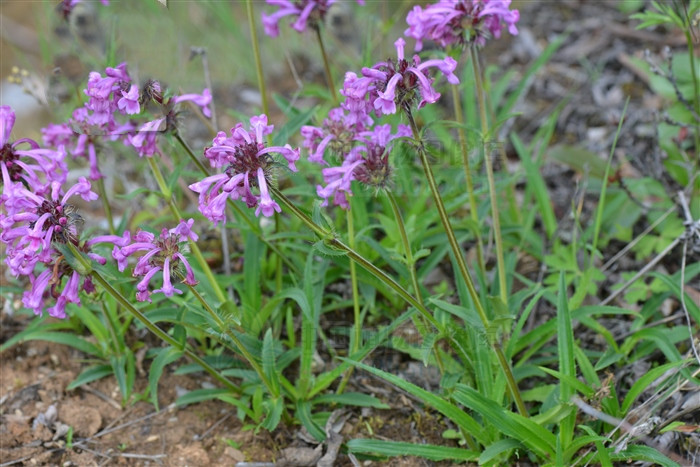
446	408
165	357
532	435
396	448
90	374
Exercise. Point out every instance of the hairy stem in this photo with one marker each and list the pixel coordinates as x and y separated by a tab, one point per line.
461	264
473	208
502	285
327	67
256	54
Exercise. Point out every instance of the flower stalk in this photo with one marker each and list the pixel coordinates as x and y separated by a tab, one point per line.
327	67
502	285
256	54
459	257
473	207
331	241
148	323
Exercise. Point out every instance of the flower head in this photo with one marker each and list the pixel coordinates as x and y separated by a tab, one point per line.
388	84
337	134
367	162
30	234
304	13
247	164
461	22
158	254
26	163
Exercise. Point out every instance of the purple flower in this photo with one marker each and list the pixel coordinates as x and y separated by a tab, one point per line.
163	253
29	235
25	162
105	94
389	84
303	13
144	140
202	100
462	22
247	164
337	134
129	102
367	162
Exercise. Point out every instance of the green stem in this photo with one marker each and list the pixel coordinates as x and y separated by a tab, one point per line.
236	209
327	67
502	285
474	210
411	263
194	248
256	55
696	94
148	323
511	199
231	335
105	205
447	225
357	323
331	241
459	257
355	291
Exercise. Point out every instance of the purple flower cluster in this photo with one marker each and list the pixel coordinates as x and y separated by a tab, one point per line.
388	84
461	22
367	162
159	254
24	163
348	131
35	217
109	96
31	226
247	163
305	12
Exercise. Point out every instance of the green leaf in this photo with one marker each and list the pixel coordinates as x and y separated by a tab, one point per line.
567	364
573	383
268	361
498	448
644	453
644	381
397	448
446	408
63	338
350	398
532	435
303	413
90	374
538	185
199	395
165	357
124	372
274	413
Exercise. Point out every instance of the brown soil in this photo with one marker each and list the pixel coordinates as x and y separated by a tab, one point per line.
36	413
